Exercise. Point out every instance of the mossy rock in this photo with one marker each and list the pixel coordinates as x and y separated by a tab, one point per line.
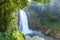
12	36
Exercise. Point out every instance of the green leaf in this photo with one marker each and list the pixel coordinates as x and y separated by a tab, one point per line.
42	1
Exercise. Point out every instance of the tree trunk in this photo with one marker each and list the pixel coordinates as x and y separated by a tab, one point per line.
9	25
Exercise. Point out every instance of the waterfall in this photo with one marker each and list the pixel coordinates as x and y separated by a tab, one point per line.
24	23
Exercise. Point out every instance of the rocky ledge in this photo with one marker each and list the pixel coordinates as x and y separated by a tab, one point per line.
34	38
53	33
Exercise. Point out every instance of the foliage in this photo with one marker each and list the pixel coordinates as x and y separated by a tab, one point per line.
9	19
12	36
42	1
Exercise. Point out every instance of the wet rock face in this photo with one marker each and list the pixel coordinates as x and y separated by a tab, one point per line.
35	23
47	17
34	20
55	34
43	20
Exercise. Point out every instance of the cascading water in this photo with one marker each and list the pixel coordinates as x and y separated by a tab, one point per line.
24	23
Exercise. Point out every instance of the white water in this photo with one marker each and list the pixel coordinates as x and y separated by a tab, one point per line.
24	23
25	28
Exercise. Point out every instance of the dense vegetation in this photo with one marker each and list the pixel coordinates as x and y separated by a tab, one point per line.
9	19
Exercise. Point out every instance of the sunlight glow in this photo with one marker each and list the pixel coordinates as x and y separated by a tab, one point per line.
29	0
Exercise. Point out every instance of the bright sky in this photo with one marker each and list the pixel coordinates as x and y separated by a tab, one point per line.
29	0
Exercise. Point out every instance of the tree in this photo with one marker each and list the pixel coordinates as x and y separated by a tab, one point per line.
9	19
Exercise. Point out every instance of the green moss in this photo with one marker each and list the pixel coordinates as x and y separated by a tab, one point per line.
12	36
42	1
9	20
9	30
